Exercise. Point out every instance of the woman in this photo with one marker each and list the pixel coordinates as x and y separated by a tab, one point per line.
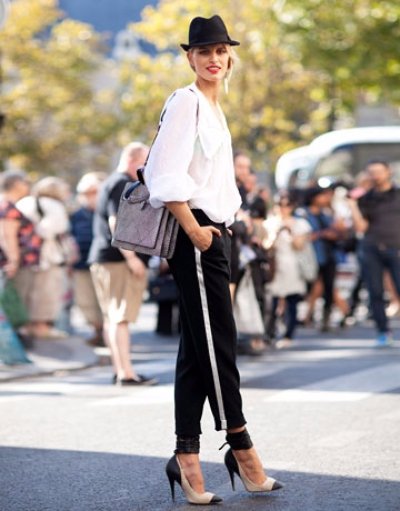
288	235
44	298
326	231
19	243
190	170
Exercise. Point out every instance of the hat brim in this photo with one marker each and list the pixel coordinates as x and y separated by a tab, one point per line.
187	47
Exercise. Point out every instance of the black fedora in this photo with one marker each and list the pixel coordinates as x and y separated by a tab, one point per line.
205	31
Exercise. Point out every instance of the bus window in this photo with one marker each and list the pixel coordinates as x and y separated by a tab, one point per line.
347	161
387	152
338	165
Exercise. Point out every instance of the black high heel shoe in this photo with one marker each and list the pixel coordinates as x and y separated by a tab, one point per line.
234	467
175	474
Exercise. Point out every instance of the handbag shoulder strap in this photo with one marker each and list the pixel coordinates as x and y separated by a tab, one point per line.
39	208
140	171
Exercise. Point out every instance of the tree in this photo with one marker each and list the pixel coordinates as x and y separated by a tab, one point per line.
303	65
56	122
352	45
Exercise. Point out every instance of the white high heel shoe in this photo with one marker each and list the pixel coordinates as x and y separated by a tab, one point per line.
233	466
175	474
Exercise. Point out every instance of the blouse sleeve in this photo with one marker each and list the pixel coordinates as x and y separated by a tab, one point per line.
167	170
301	227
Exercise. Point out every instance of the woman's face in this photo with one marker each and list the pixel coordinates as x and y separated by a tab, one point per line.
210	62
285	208
21	189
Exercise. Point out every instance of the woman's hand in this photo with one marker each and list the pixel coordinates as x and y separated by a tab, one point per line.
202	237
136	266
10	269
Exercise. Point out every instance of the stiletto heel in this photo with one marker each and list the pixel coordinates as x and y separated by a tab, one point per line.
231	470
175	474
171	480
233	467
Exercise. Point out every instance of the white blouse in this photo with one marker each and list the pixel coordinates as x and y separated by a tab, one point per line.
287	279
52	223
191	159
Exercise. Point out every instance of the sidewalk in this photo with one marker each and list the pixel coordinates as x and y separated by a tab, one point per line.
72	353
50	356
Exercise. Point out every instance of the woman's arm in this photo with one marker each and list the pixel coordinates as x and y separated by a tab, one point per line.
167	169
201	237
9	244
299	241
301	234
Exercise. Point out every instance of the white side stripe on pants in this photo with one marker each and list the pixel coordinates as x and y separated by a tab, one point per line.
211	351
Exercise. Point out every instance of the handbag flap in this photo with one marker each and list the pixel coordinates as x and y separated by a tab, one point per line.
138	222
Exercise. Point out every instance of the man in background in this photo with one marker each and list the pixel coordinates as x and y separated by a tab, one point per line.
119	276
377	215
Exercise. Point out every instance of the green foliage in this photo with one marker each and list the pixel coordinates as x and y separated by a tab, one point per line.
302	65
56	123
353	45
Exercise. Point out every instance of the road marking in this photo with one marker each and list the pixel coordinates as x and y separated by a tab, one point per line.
140	396
350	387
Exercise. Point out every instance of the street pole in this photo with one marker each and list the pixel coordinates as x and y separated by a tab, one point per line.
4	8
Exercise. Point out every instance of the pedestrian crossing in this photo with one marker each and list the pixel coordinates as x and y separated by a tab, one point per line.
350	387
357	384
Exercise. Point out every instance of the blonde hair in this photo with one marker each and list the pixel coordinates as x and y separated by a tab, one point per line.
90	180
127	152
53	187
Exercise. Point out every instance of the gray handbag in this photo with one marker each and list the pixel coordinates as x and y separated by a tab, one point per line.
139	226
142	228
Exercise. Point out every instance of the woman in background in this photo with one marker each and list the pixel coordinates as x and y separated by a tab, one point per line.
45	207
288	235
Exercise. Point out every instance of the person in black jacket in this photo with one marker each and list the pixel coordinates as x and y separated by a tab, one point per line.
119	276
377	216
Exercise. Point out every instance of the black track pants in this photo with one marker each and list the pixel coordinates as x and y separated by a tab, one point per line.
206	363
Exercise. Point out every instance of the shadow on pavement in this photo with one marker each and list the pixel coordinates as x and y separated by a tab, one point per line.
56	480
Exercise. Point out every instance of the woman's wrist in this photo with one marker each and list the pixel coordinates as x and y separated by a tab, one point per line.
193	231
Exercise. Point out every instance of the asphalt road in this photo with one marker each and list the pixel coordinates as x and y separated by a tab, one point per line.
325	416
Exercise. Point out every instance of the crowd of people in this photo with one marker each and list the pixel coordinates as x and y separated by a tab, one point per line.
285	250
55	247
291	245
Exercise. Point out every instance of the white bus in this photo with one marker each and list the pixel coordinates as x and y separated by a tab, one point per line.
338	155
